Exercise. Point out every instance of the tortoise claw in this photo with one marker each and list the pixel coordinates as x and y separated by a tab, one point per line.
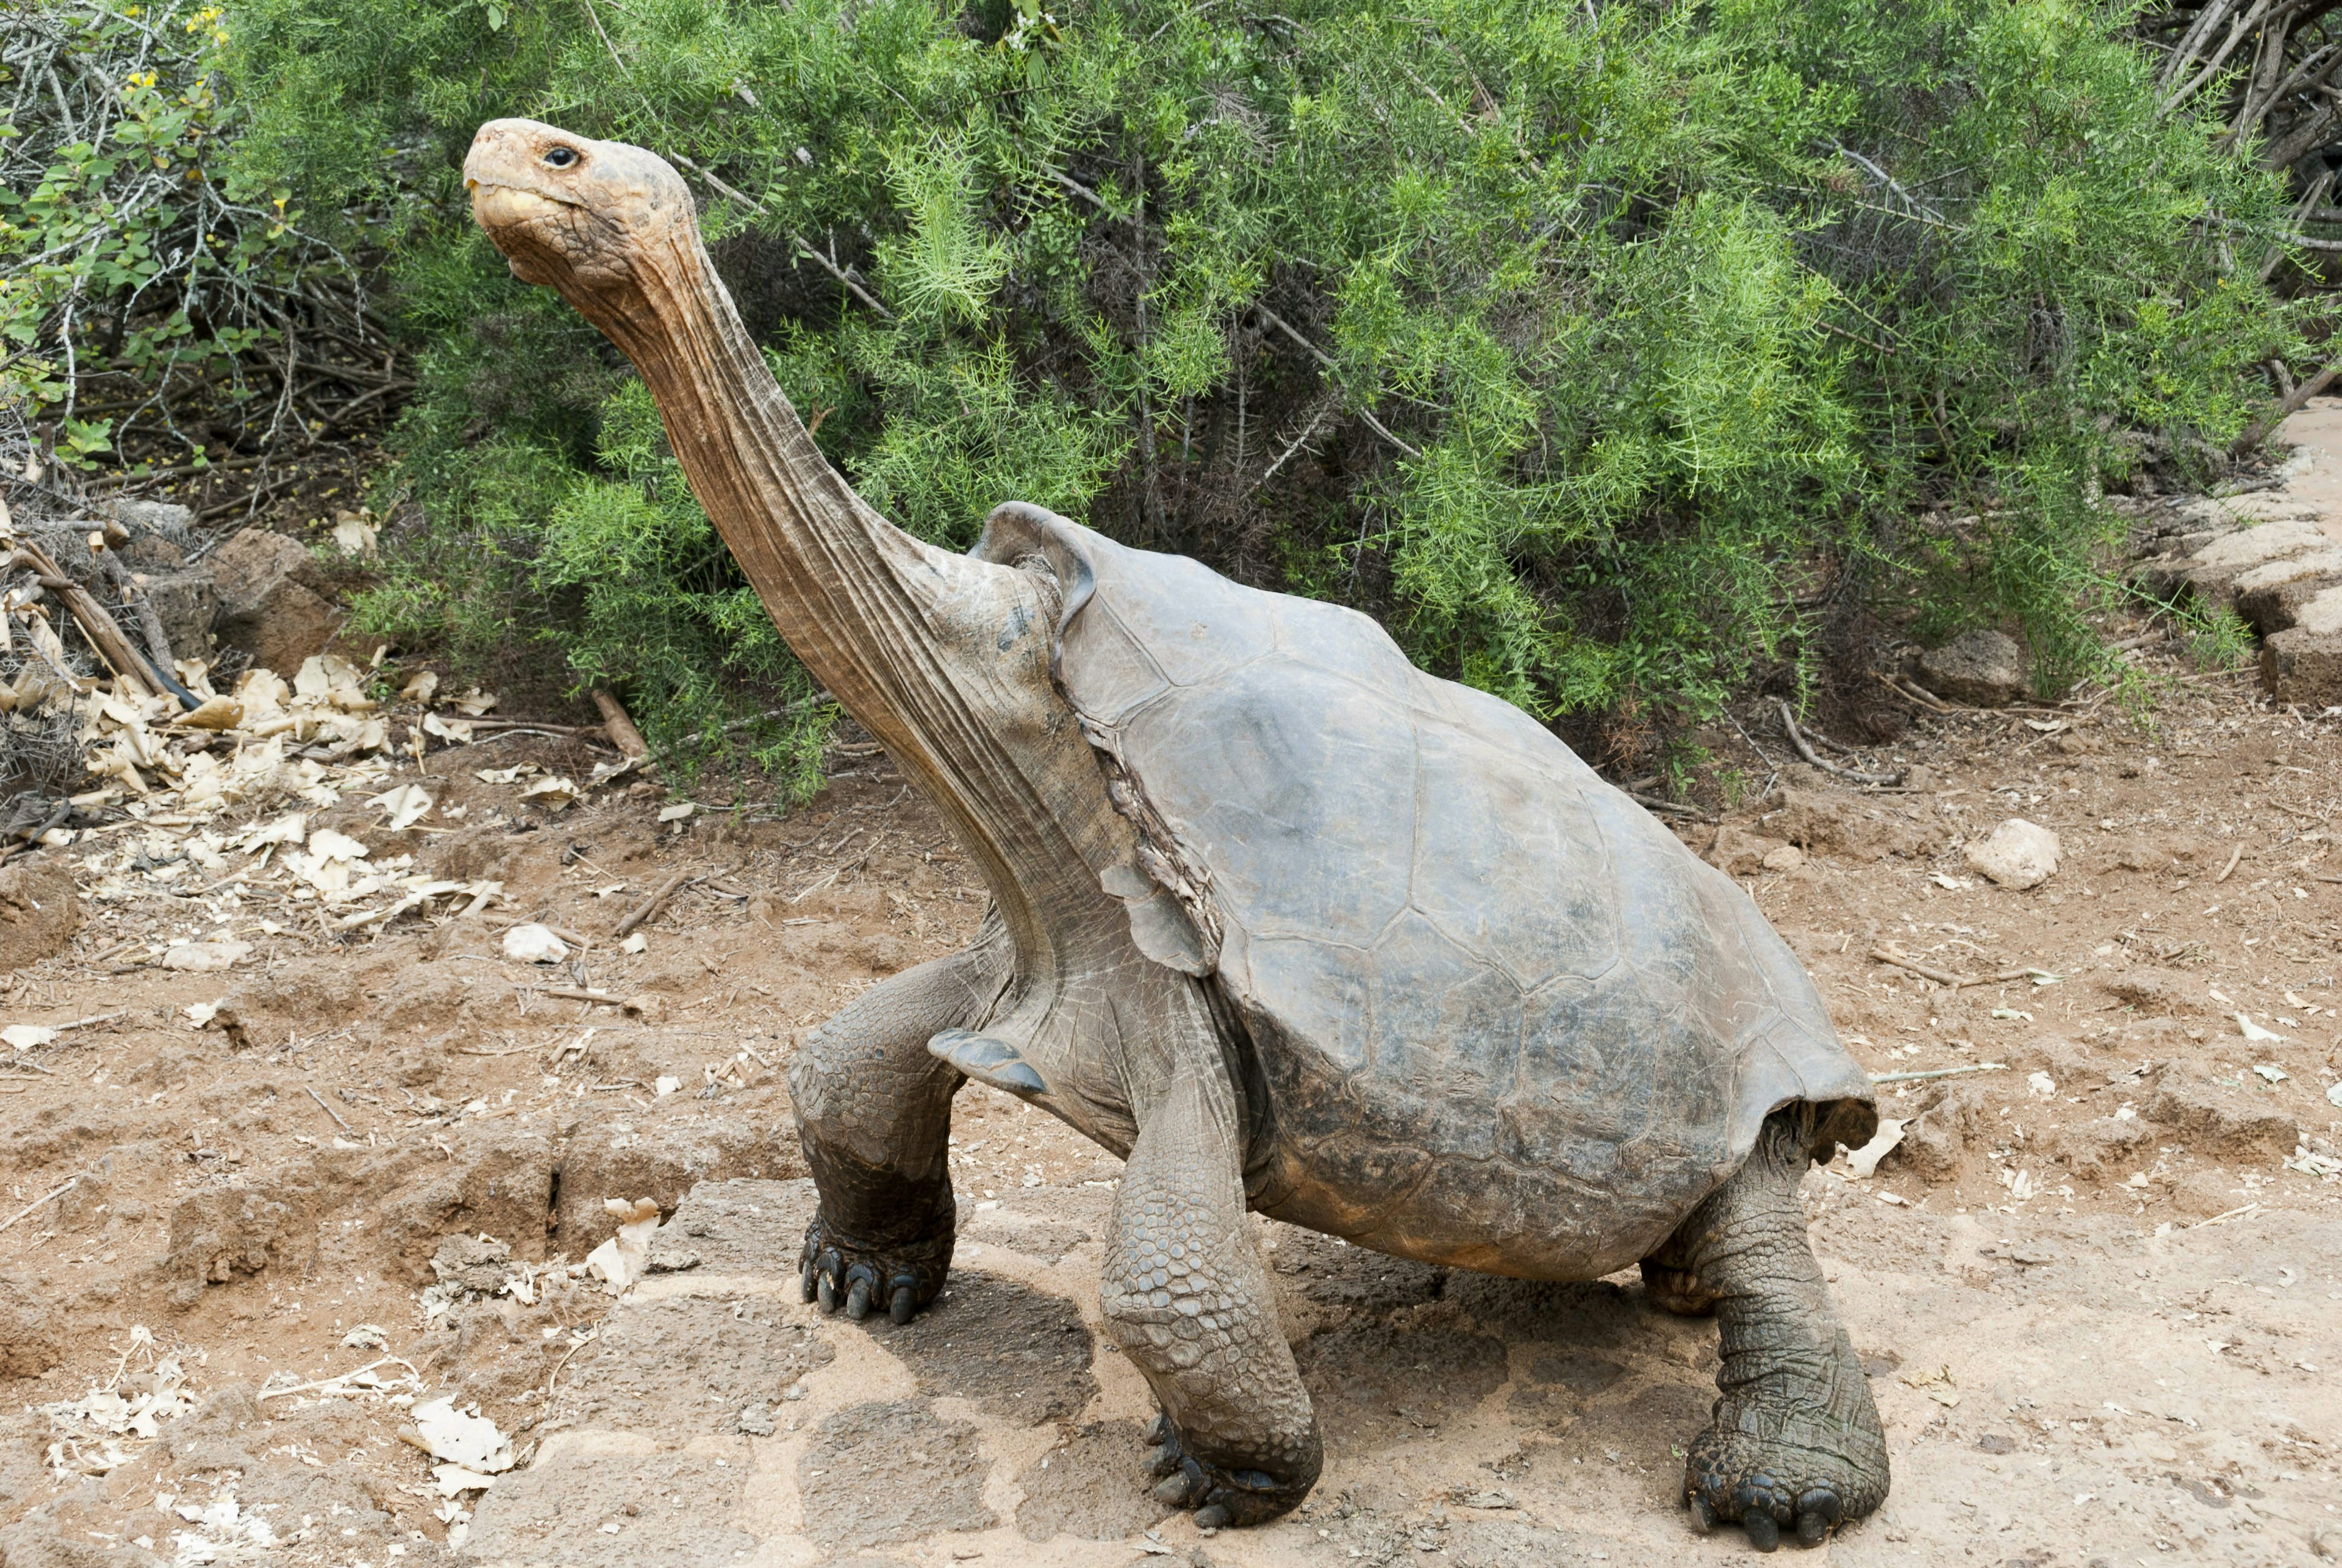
1222	1498
896	1279
1763	1533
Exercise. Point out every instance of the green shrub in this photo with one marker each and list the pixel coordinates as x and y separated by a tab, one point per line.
1602	351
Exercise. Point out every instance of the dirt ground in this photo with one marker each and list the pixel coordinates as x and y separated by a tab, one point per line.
2095	1285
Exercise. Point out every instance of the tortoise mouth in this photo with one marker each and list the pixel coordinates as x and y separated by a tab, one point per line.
495	205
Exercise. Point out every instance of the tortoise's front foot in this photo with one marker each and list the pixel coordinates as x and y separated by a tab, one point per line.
1777	1467
1220	1497
899	1277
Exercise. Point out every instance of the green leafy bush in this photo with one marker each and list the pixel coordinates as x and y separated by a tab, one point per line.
1607	352
138	257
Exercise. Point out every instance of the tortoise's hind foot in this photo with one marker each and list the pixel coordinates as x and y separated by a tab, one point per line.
1220	1497
897	1278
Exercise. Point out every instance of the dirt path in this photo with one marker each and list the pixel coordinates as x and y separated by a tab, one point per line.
2098	1287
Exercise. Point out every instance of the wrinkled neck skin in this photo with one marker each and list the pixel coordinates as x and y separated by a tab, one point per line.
946	661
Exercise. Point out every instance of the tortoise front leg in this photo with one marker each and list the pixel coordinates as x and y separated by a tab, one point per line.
1797	1440
1187	1298
873	1112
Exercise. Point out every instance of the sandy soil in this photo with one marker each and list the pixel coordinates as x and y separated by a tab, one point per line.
2095	1287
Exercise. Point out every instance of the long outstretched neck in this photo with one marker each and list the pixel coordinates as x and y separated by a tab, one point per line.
843	586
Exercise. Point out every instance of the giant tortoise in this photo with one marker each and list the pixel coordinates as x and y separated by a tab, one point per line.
1287	923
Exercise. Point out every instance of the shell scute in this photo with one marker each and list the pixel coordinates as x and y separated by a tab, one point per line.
1296	857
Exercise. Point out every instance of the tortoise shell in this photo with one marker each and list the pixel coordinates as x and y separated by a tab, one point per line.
1504	1018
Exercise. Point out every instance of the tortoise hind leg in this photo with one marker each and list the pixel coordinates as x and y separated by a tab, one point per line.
1796	1441
873	1111
1187	1298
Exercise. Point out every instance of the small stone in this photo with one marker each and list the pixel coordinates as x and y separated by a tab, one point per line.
756	1421
2020	854
1736	852
1788	857
795	1392
1984	668
533	944
476	1263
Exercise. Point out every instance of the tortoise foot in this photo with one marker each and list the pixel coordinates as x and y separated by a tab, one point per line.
1776	1485
896	1280
1220	1497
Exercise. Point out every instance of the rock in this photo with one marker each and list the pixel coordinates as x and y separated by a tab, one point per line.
273	600
1736	852
2018	854
476	1263
1983	668
160	533
206	957
39	910
1832	822
189	605
2303	663
1788	857
533	944
2215	1120
2106	1149
2270	597
32	1330
1933	1141
2212	572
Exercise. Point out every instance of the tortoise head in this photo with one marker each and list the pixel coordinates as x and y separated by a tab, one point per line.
610	226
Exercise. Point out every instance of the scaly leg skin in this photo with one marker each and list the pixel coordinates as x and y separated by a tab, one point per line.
1796	1443
873	1111
1187	1298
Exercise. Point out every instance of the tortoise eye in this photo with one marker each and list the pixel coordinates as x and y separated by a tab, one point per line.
561	157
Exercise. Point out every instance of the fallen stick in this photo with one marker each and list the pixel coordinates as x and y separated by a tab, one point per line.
539	726
1941	976
1945	976
1938	1072
2229	870
1806	750
572	993
343	1378
652	904
1912	692
619	726
97	626
90	1022
328	1110
36	1203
